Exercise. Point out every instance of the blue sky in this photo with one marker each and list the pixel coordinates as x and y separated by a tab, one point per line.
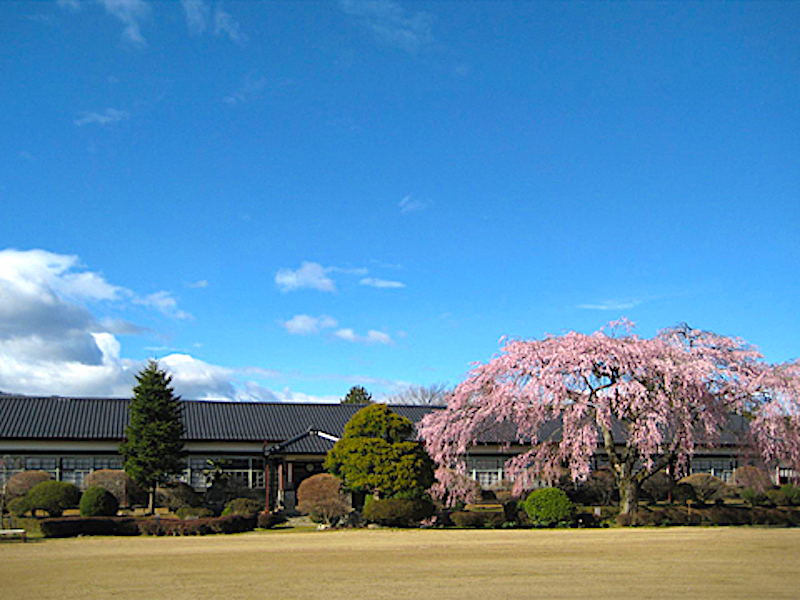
280	200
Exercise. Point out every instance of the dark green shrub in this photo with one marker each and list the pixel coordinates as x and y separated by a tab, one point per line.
191	512
201	526
20	484
599	488
120	484
98	502
548	507
53	497
683	492
74	526
658	487
242	506
398	512
477	519
177	494
18	506
269	520
754	497
792	494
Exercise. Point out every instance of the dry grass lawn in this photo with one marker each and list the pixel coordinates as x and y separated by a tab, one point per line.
708	563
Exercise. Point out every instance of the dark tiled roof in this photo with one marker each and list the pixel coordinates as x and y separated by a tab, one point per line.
105	419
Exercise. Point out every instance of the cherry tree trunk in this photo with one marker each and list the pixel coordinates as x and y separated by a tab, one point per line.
628	495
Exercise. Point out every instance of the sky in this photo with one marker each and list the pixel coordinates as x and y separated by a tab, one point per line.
279	200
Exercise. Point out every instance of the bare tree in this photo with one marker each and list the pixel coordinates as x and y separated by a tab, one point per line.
435	394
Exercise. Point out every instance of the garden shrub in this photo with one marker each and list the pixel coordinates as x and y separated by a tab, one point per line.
477	519
682	493
268	520
74	526
98	502
321	497
177	494
398	512
242	506
53	497
18	506
791	493
754	497
548	507
191	512
120	484
707	488
201	526
599	488
20	484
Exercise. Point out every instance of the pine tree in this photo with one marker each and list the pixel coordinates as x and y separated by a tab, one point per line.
153	445
357	395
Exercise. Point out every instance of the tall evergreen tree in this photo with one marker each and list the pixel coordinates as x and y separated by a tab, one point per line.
357	395
153	445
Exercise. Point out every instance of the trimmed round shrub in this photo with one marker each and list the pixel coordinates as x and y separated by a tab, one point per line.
269	520
98	502
20	484
320	496
658	487
53	497
242	506
119	483
548	507
752	477
398	512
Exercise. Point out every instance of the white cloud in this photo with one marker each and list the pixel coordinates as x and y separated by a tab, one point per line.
107	117
72	5
372	337
306	324
225	23
198	285
409	204
197	13
611	305
381	283
130	13
310	275
390	24
164	303
250	89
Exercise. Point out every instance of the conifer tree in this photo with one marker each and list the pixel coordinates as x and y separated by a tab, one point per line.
153	445
357	395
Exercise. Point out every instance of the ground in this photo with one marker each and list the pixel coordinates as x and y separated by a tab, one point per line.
686	563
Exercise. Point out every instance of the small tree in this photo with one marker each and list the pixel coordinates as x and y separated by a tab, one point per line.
375	455
20	484
435	394
119	483
153	448
752	477
357	395
320	496
707	488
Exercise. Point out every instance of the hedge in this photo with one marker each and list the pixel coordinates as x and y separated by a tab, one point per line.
74	526
398	512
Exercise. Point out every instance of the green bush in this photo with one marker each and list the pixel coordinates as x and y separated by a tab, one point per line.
791	493
98	502
548	507
203	526
320	496
242	506
18	506
398	512
53	497
707	488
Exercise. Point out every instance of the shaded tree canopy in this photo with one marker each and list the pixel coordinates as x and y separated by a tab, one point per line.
357	395
375	454
645	403
153	445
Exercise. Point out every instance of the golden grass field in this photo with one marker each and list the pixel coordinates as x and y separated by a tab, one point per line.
707	563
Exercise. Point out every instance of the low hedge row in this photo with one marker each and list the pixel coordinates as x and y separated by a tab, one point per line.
75	526
477	519
712	515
